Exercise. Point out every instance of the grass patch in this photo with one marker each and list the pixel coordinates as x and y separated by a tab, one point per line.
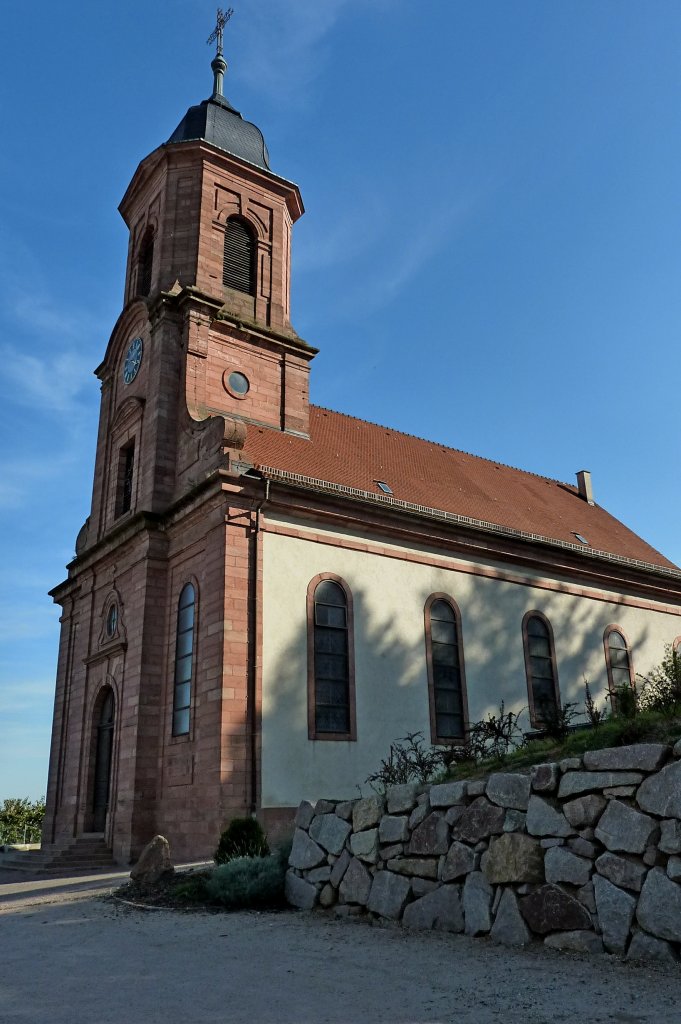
646	727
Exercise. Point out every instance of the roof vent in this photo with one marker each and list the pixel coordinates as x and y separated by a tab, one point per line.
584	486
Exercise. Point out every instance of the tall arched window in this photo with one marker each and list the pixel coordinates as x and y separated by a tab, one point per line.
238	262
540	669
617	659
446	677
331	699
145	262
184	661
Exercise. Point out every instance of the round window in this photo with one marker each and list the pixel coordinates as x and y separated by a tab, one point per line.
112	620
238	383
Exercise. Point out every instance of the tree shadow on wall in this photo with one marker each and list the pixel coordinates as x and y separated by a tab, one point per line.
391	679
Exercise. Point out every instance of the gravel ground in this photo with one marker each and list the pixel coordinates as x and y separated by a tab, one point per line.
77	956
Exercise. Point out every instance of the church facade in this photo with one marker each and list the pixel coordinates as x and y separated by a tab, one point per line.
266	594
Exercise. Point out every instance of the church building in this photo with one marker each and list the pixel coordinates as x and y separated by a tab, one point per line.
267	593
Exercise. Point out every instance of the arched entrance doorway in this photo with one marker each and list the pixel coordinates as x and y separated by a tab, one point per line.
103	750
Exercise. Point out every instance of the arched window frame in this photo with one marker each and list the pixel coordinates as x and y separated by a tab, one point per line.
253	270
189	706
535	718
312	732
614	628
145	262
434	734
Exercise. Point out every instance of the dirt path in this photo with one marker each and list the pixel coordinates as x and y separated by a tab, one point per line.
84	960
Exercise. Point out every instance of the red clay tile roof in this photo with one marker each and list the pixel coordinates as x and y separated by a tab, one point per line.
353	453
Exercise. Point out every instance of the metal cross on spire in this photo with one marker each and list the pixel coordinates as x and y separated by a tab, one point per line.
222	19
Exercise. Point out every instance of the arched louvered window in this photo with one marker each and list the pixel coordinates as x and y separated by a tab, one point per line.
446	677
184	661
540	669
331	698
238	263
145	263
617	659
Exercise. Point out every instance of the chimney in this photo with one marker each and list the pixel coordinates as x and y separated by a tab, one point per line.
584	486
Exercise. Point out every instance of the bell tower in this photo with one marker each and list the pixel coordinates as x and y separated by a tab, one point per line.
158	625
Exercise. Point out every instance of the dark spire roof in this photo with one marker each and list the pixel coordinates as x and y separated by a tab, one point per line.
216	121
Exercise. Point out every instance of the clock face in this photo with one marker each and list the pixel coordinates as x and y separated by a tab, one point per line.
133	360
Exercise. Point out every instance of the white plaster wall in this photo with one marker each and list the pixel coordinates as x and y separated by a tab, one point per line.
391	677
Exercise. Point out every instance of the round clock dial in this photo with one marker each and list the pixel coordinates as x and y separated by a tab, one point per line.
133	360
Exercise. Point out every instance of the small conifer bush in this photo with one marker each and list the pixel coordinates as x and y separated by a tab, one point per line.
243	837
249	882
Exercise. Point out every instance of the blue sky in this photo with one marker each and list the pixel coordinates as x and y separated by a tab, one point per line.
490	255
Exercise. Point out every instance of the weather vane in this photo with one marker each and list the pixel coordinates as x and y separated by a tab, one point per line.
222	19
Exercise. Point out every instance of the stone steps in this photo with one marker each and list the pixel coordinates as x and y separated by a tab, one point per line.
86	853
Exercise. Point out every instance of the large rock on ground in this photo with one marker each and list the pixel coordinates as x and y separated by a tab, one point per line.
585	810
615	913
549	909
661	793
305	853
562	865
389	894
439	909
154	862
639	757
575	783
298	892
627	874
367	812
479	820
431	838
514	857
459	861
624	830
659	906
330	832
509	928
477	904
509	790
543	819
356	884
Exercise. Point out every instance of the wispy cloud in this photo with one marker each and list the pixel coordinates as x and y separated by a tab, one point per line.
15	698
283	43
49	382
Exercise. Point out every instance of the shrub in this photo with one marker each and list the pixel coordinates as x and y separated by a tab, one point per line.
556	719
624	701
595	714
249	882
409	760
243	837
495	736
661	689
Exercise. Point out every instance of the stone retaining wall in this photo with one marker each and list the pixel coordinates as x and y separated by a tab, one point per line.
582	855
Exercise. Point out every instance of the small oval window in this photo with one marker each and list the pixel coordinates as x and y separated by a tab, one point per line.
238	383
112	620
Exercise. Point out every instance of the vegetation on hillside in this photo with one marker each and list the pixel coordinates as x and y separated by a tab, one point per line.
21	820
